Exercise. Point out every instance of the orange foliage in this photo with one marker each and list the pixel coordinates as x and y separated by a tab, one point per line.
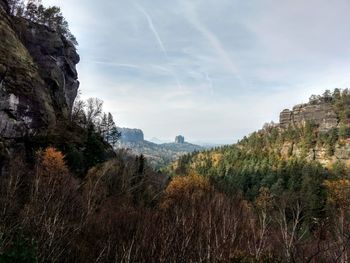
52	162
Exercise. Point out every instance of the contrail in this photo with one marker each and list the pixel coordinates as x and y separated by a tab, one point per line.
159	40
123	65
213	40
153	28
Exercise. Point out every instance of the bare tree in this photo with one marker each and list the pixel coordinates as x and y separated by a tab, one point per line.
290	229
260	223
94	109
78	112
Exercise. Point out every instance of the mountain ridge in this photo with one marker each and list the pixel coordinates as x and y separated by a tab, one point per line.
158	155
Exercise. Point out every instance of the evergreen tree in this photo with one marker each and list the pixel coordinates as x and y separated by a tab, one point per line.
110	125
94	149
114	136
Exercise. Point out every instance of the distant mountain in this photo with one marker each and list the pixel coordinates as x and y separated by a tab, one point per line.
158	154
131	135
209	145
157	141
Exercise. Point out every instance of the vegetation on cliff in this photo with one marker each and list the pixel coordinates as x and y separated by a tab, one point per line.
36	12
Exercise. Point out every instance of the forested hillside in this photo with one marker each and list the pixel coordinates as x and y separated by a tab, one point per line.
159	155
300	169
283	157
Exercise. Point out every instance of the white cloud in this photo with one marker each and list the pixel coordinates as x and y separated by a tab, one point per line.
238	62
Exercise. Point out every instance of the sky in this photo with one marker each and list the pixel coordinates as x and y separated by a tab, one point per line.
211	70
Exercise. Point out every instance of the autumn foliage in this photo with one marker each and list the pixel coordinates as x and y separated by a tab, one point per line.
186	189
51	164
119	212
338	192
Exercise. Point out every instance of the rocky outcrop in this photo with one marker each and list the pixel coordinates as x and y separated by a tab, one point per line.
38	80
319	153
56	58
131	135
320	113
179	139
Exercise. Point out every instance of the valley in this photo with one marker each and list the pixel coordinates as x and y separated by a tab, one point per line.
77	187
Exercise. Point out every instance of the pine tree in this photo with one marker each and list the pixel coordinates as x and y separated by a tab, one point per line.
109	125
93	148
114	136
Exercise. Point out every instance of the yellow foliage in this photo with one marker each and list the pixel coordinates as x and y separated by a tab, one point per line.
216	158
183	188
188	184
203	158
338	192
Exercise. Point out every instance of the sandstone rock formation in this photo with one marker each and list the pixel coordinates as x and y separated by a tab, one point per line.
320	113
38	80
131	135
56	58
179	139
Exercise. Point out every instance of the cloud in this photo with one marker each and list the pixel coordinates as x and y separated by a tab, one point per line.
159	40
192	16
152	27
211	68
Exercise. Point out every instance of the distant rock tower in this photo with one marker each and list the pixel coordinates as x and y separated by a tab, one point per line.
179	139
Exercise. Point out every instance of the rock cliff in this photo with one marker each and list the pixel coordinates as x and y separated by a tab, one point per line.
179	139
38	79
320	113
131	135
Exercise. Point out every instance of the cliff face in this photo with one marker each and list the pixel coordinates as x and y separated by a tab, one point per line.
38	79
319	153
179	139
56	58
131	135
321	113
